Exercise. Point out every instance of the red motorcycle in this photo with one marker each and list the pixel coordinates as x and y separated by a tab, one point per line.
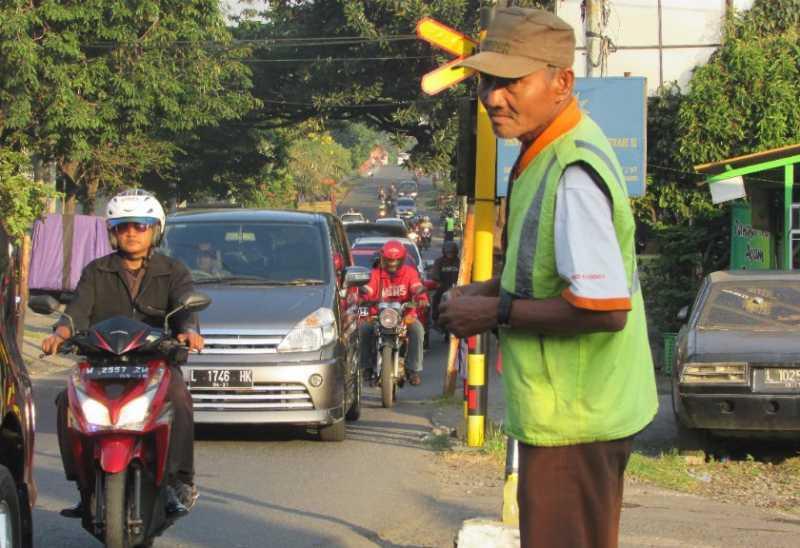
119	423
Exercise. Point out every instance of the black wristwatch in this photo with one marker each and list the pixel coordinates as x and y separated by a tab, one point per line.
504	308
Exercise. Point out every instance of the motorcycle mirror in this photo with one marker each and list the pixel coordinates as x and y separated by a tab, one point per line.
356	276
194	301
43	304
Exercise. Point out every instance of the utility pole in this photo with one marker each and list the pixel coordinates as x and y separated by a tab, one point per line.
593	14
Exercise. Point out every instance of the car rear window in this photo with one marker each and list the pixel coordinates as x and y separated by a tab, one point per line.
278	252
363	256
756	306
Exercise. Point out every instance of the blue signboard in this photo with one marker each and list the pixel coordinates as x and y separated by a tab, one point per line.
618	105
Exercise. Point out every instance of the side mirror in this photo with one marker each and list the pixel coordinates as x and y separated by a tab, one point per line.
43	304
356	276
194	301
683	314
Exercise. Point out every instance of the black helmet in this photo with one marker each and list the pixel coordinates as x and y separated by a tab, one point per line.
450	246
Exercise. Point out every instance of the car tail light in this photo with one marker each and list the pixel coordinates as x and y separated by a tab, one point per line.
714	373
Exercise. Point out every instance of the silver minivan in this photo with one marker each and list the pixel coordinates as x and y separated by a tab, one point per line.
281	334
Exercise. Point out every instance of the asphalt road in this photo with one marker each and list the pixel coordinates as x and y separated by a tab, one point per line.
280	487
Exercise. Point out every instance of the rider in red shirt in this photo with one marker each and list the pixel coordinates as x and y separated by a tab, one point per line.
394	281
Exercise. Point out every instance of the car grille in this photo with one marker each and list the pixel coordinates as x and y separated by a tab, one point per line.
216	343
262	397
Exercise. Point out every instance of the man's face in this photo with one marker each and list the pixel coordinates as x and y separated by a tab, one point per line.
524	106
392	265
134	239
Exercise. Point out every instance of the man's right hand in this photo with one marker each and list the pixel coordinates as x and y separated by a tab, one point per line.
52	343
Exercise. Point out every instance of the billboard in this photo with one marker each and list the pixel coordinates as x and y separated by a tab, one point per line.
619	106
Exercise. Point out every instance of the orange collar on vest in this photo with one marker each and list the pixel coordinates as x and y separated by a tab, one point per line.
563	123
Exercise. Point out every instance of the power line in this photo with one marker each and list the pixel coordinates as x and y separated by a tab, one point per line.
334	59
273	42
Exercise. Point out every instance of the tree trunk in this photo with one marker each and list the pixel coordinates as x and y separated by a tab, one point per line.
90	197
24	270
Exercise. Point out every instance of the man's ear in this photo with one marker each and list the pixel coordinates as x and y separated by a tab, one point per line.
563	83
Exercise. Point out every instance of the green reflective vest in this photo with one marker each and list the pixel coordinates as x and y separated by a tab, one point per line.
450	224
571	389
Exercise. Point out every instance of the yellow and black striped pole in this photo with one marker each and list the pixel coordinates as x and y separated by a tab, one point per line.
485	159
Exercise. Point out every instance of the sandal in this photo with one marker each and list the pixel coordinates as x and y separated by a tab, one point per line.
414	379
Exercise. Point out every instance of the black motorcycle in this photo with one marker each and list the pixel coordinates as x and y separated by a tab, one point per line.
391	347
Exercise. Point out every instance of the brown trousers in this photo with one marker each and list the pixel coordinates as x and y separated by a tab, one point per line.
571	496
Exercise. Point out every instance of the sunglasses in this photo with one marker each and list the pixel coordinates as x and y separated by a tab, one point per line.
125	227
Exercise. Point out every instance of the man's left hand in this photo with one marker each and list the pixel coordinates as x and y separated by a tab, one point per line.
193	340
466	316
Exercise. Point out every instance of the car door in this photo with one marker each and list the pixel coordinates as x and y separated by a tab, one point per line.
348	297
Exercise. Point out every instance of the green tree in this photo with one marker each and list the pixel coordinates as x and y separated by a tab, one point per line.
22	200
316	162
745	99
107	88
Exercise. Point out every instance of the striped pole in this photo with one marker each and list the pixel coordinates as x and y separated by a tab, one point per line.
510	505
477	393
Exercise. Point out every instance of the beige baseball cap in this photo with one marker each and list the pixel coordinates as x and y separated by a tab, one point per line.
520	41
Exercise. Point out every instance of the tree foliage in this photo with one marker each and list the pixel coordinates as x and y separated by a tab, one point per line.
22	200
746	99
105	88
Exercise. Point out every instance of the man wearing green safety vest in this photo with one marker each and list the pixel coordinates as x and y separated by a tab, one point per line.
449	227
577	369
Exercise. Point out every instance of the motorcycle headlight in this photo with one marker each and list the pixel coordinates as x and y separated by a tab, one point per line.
133	414
312	333
389	318
94	412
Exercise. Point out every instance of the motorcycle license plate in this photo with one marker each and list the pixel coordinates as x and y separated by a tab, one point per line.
221	378
108	372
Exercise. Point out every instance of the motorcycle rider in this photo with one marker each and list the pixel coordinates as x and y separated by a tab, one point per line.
426	225
139	283
445	273
381	194
394	281
449	226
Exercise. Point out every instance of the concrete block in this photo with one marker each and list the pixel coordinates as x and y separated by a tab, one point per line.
486	533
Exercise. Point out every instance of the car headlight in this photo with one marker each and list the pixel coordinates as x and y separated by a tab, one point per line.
389	318
714	373
312	333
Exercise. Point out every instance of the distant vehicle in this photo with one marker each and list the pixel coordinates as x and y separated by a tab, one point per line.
737	361
280	340
402	158
361	230
407	189
352	217
405	208
17	487
395	221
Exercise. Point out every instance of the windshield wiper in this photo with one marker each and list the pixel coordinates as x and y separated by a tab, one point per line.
305	281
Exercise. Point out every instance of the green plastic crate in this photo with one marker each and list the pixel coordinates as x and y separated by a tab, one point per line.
670	341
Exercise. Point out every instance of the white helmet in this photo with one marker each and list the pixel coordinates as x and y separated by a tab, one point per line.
136	206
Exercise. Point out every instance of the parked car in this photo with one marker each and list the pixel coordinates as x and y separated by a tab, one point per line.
405	208
17	487
280	344
362	230
737	360
407	189
352	217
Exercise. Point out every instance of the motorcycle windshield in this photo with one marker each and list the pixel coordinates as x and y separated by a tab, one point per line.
119	335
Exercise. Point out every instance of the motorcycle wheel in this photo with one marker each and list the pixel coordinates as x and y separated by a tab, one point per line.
354	413
116	526
10	516
387	377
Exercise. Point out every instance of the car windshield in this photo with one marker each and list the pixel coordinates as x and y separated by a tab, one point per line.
407	187
255	253
405	202
352	217
752	306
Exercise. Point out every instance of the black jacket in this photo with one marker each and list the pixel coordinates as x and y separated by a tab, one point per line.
102	294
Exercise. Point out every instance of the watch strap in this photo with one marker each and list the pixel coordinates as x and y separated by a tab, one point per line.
504	308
